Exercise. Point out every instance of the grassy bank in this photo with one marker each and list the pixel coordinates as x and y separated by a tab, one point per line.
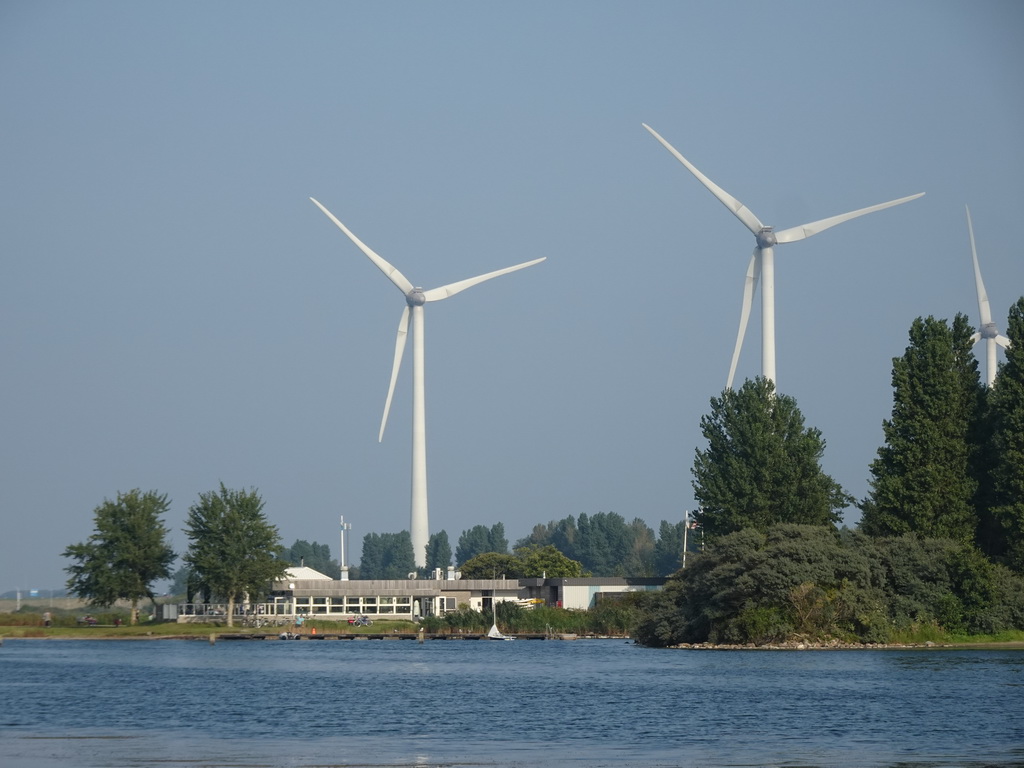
65	626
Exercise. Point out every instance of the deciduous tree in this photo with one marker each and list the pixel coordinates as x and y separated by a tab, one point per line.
234	552
548	562
492	565
126	553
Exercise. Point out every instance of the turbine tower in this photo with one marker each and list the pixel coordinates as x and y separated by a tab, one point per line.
988	331
762	262
415	298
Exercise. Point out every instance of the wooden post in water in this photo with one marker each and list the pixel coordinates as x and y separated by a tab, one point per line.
420	637
213	638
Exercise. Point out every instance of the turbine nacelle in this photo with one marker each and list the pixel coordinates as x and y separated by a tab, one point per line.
415	298
989	331
766	237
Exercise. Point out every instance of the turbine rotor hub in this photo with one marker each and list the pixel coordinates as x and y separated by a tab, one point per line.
766	237
989	331
415	298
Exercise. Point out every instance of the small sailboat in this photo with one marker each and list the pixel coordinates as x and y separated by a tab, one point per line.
494	633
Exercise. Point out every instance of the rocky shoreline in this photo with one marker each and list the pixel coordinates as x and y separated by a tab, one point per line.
836	645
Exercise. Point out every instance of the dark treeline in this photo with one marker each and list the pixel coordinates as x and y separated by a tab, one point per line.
940	545
602	544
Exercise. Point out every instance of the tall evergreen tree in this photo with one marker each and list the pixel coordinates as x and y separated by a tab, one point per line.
668	551
762	466
474	541
480	539
315	556
234	551
1006	402
498	540
439	552
639	561
923	478
126	553
387	556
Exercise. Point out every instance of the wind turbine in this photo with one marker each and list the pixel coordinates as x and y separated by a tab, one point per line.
988	331
415	298
762	262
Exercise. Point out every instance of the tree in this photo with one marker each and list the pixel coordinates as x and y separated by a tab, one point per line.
548	562
604	543
234	552
762	466
561	534
492	565
439	552
923	479
315	556
126	553
1006	477
639	560
387	556
668	551
480	539
496	538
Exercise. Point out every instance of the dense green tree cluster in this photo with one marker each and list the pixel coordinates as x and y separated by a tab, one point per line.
607	545
816	583
941	541
234	552
952	465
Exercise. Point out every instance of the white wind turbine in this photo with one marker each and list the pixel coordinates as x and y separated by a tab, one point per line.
988	331
762	262
415	298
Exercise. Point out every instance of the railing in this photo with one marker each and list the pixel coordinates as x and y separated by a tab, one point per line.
256	614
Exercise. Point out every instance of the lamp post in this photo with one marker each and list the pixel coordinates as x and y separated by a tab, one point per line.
686	528
344	560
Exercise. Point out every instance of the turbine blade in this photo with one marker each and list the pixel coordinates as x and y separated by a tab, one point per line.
1002	341
793	234
403	333
984	309
392	273
749	286
975	338
739	210
436	294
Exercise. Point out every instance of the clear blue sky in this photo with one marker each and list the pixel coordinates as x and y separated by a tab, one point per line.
174	312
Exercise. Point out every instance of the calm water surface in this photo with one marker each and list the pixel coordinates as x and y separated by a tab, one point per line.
475	703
